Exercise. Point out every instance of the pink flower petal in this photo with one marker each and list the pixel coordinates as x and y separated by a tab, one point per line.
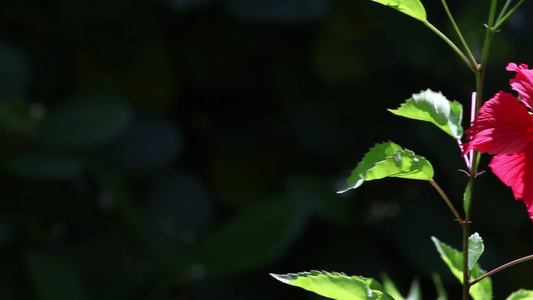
523	82
503	126
511	168
514	67
516	171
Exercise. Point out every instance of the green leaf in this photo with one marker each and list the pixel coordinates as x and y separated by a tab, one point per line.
433	107
413	8
521	295
466	198
475	249
441	292
45	166
257	235
16	71
314	195
336	285
483	289
113	182
86	120
415	292
52	278
390	288
454	259
389	160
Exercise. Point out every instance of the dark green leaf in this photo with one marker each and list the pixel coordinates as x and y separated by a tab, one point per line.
54	279
85	120
113	183
15	71
390	288
254	237
317	196
45	166
177	208
148	142
441	292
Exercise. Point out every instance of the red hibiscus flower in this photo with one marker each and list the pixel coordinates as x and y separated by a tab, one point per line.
504	126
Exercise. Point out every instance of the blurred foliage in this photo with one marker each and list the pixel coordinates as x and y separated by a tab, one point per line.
184	149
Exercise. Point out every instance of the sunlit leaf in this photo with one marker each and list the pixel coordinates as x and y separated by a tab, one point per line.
336	285
475	249
483	289
415	292
521	295
433	107
454	259
413	8
389	160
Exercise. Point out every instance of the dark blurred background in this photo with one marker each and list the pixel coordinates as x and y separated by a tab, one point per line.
184	149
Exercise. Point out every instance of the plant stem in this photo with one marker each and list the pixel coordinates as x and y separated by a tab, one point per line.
500	21
480	78
466	271
502	267
470	65
465	156
504	10
461	38
447	200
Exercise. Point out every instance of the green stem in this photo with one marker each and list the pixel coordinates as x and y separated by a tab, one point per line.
461	38
466	272
504	10
466	225
447	200
451	44
502	267
485	55
480	78
500	21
